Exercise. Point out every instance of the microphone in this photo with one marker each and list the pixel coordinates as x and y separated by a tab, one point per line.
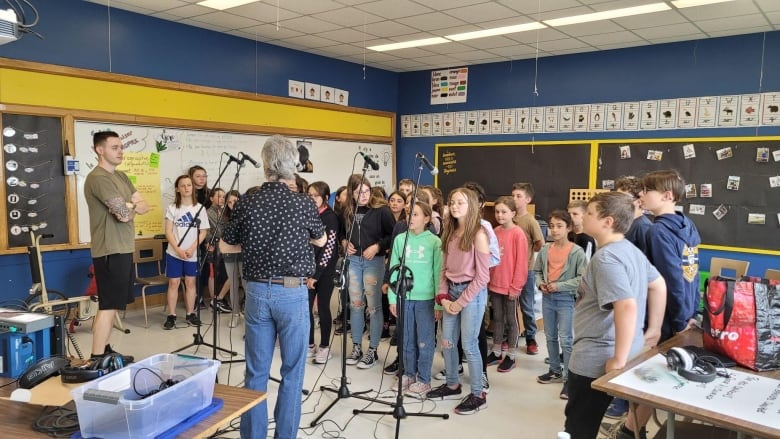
374	165
232	158
434	170
251	160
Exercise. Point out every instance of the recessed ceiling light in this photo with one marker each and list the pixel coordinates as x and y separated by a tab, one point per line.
691	3
224	4
408	44
607	15
497	31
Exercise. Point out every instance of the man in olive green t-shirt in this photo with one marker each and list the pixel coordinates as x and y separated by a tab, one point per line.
523	193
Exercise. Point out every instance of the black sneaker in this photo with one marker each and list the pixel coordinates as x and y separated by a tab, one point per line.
507	364
222	306
385	331
550	377
126	359
355	356
444	392
193	319
170	322
485	383
493	359
369	360
392	369
471	404
442	374
565	390
394	339
340	329
201	304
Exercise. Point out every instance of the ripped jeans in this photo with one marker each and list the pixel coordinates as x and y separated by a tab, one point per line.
365	288
419	339
465	325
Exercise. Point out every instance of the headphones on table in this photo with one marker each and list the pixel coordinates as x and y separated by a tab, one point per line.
105	365
41	371
690	366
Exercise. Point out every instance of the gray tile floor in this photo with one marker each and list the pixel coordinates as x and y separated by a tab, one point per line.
518	406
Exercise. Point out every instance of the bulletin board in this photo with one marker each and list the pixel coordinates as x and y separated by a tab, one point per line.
743	174
552	167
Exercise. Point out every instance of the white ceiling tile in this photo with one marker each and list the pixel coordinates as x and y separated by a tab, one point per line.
611	38
201	24
166	16
650	20
671	30
490	42
568	51
354	2
558	45
310	41
482	12
349	17
531	7
343	50
774	18
455	30
474	55
442	60
308	24
392	9
270	31
226	20
677	38
389	29
441	5
738	22
562	13
622	45
248	35
345	35
514	51
307	7
263	12
406	64
189	11
413	52
450	48
371	57
128	6
720	10
592	28
546	34
739	31
432	21
768	5
158	5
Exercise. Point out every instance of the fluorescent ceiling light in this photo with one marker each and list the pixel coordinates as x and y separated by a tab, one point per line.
224	4
679	4
608	15
408	44
496	31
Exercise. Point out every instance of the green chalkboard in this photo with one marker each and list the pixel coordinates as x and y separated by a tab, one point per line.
552	167
717	161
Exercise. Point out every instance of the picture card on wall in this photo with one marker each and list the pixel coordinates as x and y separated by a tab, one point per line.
497	121
720	212
551	119
762	155
625	152
756	218
483	125
472	120
566	122
608	184
510	121
427	121
631	116
705	190
689	151
696	209
725	153
537	119
523	119
614	115
667	114
597	117
690	191
707	112
406	125
436	128
648	115
312	91
750	110
327	94
728	110
460	123
655	155
342	97
733	183
448	122
295	89
416	125
774	181
686	113
776	155
770	109
581	118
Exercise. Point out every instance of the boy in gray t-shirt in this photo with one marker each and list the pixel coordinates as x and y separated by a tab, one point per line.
610	312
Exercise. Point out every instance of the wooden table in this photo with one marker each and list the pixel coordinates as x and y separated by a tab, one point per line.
687	338
17	417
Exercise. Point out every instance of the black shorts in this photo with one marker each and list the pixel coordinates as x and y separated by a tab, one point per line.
114	278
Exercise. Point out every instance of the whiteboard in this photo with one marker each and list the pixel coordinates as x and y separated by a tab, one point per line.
155	156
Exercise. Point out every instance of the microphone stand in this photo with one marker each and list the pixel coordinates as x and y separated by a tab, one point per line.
342	277
197	337
403	284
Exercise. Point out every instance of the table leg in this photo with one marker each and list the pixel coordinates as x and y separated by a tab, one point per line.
670	425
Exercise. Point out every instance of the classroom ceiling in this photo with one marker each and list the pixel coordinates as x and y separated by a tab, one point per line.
342	29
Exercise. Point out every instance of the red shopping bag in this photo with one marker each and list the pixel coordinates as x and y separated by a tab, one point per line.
742	321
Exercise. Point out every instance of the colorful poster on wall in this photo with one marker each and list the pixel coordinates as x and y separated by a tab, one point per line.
143	169
449	86
707	113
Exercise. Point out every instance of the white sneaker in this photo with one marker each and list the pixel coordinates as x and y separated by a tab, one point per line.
406	381
233	321
355	356
311	350
322	356
418	390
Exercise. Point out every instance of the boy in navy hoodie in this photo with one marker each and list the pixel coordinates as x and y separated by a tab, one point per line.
673	248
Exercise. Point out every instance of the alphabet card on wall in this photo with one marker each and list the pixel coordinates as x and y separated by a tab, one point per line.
566	124
667	110
497	121
581	118
551	115
771	109
448	122
686	116
631	116
707	112
523	118
460	123
728	111
597	117
614	116
537	119
648	115
750	106
510	121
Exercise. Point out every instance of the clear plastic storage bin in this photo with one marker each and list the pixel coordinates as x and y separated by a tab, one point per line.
131	403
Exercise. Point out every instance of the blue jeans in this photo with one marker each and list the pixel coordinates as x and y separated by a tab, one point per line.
464	325
558	312
271	311
419	339
527	304
365	287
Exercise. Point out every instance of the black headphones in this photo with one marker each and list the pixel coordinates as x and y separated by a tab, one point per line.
690	366
103	366
41	370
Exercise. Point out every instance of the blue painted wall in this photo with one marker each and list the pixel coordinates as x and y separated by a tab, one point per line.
76	35
716	66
